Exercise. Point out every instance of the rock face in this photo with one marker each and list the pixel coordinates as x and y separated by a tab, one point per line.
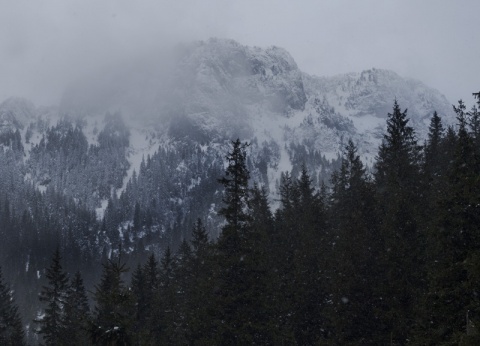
181	113
223	90
364	99
216	82
219	89
372	91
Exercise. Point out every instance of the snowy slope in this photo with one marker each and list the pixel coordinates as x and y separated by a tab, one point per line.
218	90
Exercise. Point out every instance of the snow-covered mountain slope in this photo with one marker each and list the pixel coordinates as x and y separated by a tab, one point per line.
225	90
211	92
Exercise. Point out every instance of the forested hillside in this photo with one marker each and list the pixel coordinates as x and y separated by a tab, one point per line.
389	256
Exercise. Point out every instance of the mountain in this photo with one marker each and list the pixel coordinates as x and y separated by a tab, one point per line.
197	100
219	89
133	157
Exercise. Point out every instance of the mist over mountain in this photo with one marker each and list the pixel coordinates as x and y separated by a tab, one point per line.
223	90
132	154
203	95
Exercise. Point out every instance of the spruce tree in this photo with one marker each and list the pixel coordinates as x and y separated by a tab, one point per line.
114	314
433	148
183	288
144	285
11	329
397	179
54	295
355	253
200	242
143	304
138	289
165	303
201	296
453	271
152	279
238	321
262	234
77	313
310	256
235	196
284	247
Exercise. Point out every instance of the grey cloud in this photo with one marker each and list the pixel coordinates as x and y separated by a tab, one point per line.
44	45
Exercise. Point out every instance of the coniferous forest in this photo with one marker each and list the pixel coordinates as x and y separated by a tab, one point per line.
382	256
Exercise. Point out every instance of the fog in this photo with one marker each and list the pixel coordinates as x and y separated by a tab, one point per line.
46	46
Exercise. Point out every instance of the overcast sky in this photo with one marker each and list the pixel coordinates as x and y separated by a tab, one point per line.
46	44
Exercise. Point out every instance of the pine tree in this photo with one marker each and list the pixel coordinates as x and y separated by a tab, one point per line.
453	271
165	303
143	304
285	244
183	288
145	283
138	289
433	159
54	296
265	282
152	280
235	197
397	179
474	124
238	321
201	296
355	255
310	256
200	242
114	314
77	313
11	329
137	220
435	163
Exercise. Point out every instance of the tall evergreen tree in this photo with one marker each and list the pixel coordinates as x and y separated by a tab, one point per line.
200	302
138	289
163	321
77	313
356	253
453	270
145	283
235	197
11	329
54	295
200	242
284	246
397	178
238	320
114	314
183	288
433	148
310	256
